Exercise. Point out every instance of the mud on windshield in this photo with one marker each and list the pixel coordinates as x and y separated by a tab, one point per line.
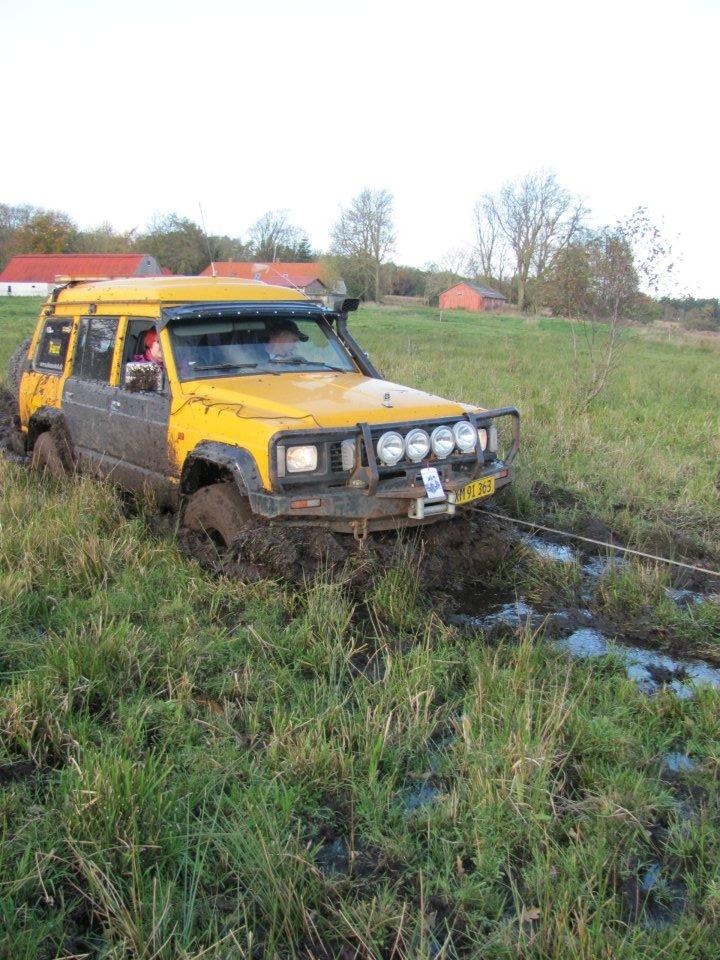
204	348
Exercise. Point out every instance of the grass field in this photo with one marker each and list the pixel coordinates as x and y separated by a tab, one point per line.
192	766
643	457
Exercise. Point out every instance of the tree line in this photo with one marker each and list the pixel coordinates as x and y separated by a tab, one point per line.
532	242
176	242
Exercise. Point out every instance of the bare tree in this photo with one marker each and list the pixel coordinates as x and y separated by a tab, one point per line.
536	217
490	251
652	251
365	233
457	262
274	237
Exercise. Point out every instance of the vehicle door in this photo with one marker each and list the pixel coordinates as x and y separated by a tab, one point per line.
139	417
87	392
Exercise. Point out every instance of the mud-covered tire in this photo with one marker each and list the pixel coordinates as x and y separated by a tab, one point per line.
46	457
15	368
218	511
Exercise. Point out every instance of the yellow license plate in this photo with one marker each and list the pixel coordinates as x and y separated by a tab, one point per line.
476	489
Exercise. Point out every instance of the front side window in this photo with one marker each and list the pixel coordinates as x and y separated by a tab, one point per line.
216	347
53	346
94	350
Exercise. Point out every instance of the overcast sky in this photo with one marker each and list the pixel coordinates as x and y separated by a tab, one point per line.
121	111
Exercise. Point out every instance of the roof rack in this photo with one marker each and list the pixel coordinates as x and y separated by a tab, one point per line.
68	280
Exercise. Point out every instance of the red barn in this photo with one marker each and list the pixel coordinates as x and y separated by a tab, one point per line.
472	296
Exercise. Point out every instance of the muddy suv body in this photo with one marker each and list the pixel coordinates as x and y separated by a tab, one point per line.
226	429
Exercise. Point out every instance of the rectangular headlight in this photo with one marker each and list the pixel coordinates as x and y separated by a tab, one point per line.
301	459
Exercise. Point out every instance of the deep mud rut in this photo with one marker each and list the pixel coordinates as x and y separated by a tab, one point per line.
447	558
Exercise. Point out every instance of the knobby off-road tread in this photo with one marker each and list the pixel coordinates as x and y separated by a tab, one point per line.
15	369
218	510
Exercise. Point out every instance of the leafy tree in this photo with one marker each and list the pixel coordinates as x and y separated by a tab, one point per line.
437	279
355	273
598	279
303	252
405	281
229	248
177	243
12	219
566	290
702	318
364	234
47	231
104	239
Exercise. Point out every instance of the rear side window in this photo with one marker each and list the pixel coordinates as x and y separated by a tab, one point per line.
53	346
94	350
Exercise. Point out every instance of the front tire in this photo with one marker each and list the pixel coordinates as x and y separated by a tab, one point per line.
218	511
46	456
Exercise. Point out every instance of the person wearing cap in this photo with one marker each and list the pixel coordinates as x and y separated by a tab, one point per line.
152	352
283	337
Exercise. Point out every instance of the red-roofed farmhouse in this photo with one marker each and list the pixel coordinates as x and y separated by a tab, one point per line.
35	274
299	276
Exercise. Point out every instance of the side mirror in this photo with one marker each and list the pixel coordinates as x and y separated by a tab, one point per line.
143	377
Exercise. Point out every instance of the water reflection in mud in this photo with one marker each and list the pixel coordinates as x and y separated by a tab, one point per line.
576	632
650	670
549	550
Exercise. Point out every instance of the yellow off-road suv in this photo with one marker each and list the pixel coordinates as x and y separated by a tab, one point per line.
233	398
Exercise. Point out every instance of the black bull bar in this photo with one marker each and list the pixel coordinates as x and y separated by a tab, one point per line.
482	420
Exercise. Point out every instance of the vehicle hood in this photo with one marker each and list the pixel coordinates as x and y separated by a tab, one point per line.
318	399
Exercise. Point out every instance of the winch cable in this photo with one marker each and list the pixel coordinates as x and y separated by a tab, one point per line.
597	543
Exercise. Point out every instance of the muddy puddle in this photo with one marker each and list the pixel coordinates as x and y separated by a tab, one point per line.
419	796
579	634
654	899
651	670
678	762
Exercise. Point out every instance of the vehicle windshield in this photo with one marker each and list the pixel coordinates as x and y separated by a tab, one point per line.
233	346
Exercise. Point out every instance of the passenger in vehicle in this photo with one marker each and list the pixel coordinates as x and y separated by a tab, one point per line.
152	352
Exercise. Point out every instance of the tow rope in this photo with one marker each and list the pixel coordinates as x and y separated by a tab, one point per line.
597	543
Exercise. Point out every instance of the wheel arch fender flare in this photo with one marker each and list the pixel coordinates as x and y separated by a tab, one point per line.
224	458
44	419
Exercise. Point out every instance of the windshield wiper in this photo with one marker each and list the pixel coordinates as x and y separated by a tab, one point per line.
225	366
301	361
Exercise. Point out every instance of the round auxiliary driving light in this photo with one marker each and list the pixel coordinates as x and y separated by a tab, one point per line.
442	442
390	448
417	445
466	436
